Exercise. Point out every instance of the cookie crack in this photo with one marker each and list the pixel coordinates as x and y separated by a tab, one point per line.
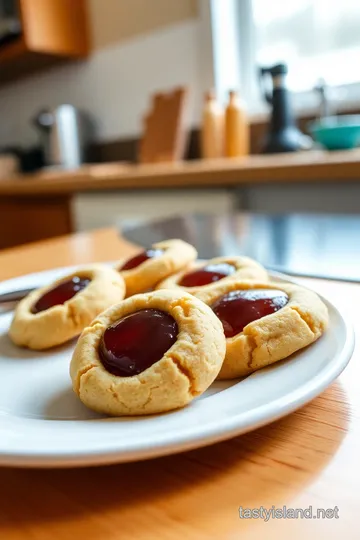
187	374
253	346
307	320
186	307
72	314
82	372
114	392
115	395
149	398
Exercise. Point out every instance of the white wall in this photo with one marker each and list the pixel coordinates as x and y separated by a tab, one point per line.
114	84
94	210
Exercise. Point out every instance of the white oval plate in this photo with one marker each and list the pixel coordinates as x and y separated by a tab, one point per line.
43	424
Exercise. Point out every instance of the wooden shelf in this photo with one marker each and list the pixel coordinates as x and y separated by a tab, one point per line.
290	169
53	31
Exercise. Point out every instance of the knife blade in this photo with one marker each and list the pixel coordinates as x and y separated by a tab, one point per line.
14	296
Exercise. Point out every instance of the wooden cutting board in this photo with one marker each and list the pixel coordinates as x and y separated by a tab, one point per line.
164	134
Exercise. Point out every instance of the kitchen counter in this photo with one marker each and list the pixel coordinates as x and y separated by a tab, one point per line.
317	166
51	203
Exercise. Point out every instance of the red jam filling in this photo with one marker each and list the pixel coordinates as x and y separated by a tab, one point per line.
60	294
207	274
142	257
136	342
239	308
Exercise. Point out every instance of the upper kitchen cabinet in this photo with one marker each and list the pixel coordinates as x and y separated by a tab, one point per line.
35	34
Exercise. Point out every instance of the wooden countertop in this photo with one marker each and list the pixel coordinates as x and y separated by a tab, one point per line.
316	166
308	458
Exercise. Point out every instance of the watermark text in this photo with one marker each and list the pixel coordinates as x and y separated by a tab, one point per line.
285	512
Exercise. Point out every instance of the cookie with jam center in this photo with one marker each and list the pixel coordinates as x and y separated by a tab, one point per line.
150	353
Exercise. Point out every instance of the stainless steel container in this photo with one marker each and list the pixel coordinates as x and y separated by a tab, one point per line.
65	135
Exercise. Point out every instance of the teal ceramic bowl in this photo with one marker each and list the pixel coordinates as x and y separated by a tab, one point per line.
337	132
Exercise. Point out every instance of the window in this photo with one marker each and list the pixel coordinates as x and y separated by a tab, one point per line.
317	39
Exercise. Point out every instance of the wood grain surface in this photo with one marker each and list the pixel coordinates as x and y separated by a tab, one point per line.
308	458
302	167
24	219
57	27
163	138
52	30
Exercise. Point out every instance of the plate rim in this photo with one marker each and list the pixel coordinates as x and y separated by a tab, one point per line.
210	434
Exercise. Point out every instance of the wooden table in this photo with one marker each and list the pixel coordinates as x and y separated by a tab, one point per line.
307	458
